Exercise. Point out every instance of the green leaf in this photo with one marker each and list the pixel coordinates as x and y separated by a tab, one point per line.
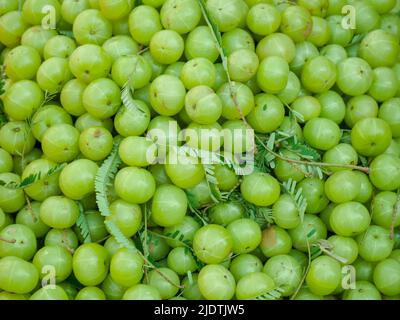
190	277
127	98
274	294
311	233
297	196
67	33
213	26
364	161
104	176
301	148
33	178
261	215
212	183
83	224
119	236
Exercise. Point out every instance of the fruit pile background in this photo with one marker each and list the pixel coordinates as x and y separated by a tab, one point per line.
93	91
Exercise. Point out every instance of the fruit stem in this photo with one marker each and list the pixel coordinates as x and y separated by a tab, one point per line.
310	163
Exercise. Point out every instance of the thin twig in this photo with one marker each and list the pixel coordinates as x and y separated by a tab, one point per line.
311	163
305	271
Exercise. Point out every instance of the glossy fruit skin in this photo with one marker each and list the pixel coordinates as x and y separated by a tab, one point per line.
382	247
112	290
29	216
319	75
57	257
22	99
253	285
161	97
77	179
349	186
266	107
246	235
101	98
384	172
285	271
126	267
25	276
60	143
95	143
32	10
6	161
354	76
300	234
90	27
216	282
89	62
245	100
12	26
260	189
62	237
349	219
125	65
167	289
45	187
387	277
181	261
169	205
141	292
134	185
326	281
364	269
245	264
379	48
132	122
275	241
90	293
200	43
272	80
46	117
22	63
341	154
181	16
90	264
126	216
382	209
227	16
212	244
19	241
63	217
11	200
344	247
166	46
296	23
364	291
322	133
53	74
389	112
184	171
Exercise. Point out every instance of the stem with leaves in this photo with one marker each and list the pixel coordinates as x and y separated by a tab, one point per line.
312	163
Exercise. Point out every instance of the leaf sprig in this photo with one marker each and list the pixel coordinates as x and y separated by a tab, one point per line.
33	178
104	178
83	225
297	196
274	294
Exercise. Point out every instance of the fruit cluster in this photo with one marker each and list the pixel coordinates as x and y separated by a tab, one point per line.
200	149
